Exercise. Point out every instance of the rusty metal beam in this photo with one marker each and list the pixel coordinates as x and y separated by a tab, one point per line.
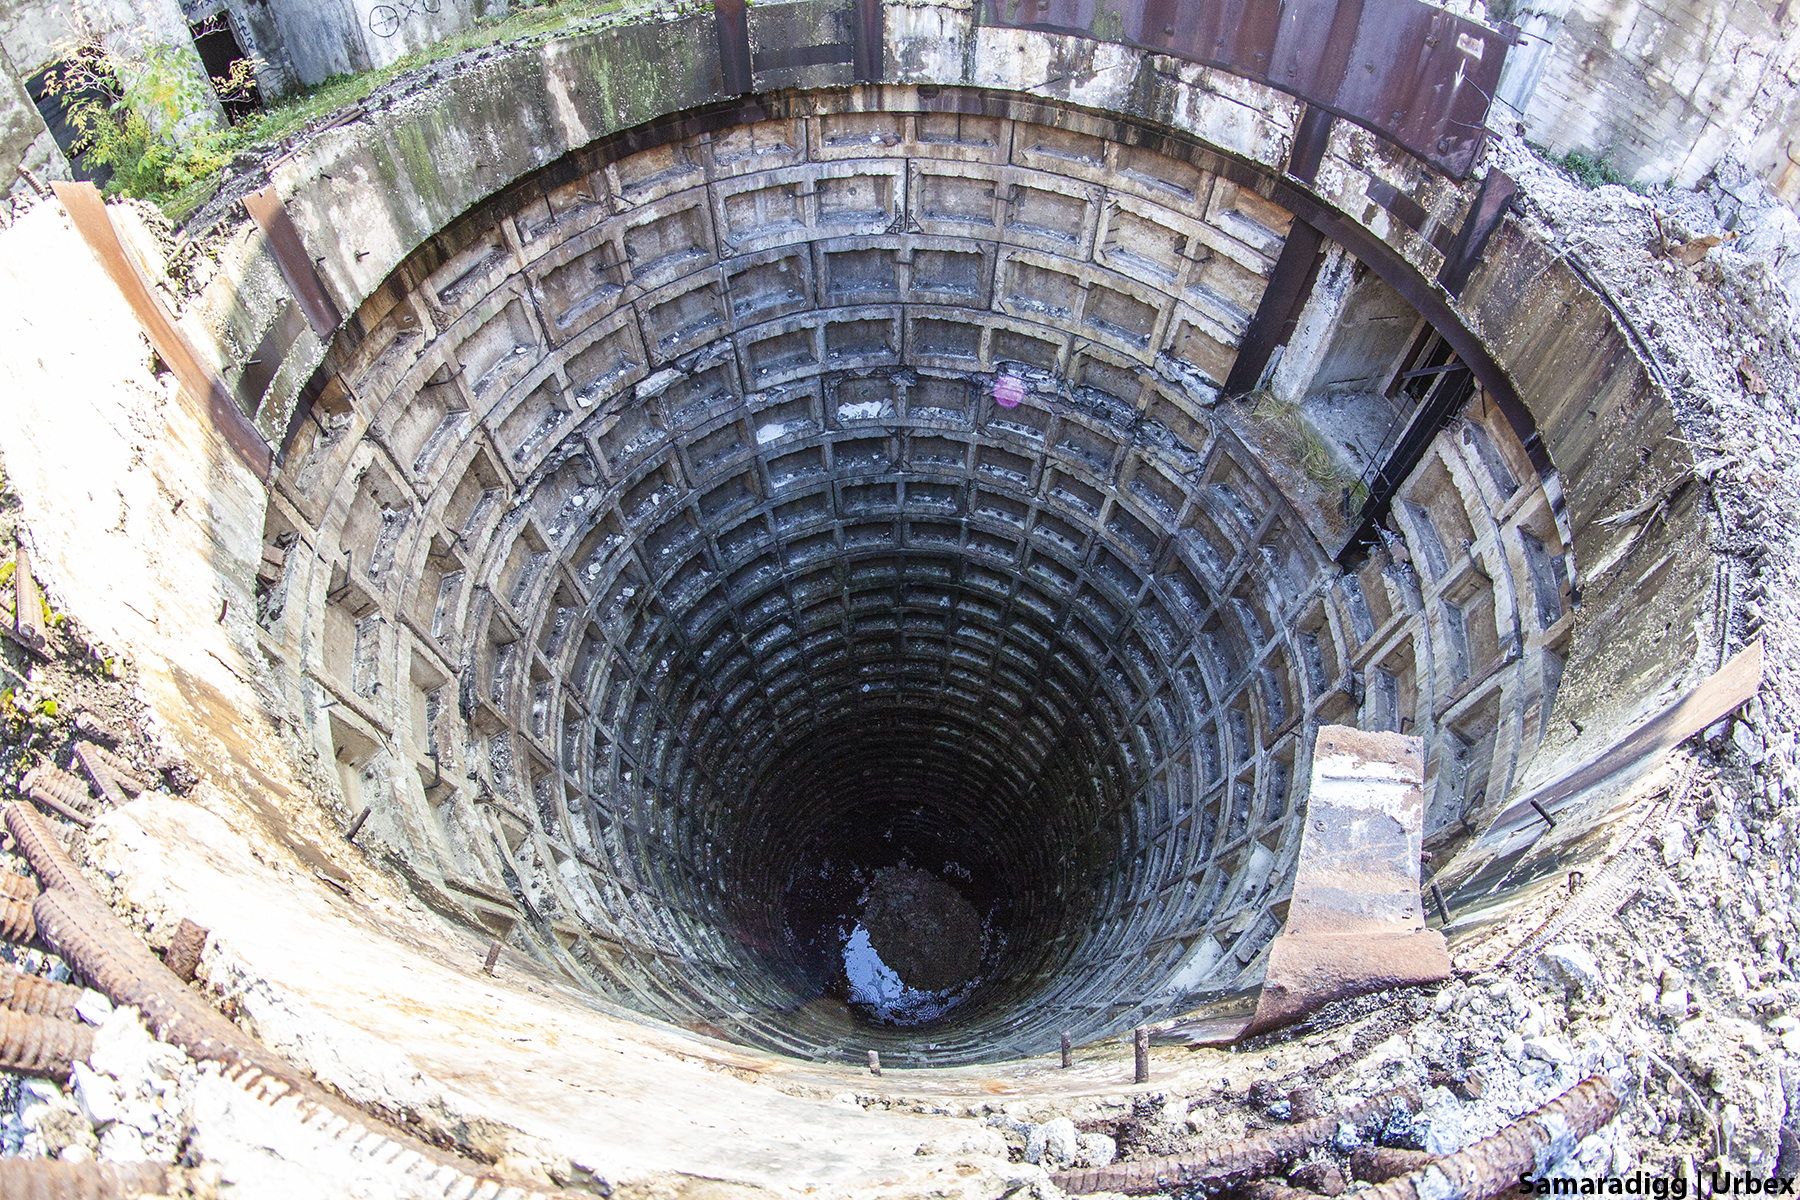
1355	923
1409	71
1281	300
1491	203
731	21
297	267
870	40
1518	826
1311	137
87	212
1435	305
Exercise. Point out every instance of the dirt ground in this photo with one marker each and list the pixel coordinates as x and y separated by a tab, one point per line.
923	928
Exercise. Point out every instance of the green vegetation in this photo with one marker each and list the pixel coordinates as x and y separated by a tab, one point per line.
1592	172
155	134
146	116
1303	445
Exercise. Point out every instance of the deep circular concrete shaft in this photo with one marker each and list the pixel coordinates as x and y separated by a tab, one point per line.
729	583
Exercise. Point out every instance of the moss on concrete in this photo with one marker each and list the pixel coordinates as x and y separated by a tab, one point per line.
282	122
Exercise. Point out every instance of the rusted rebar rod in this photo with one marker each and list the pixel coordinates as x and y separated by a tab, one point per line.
54	867
1378	1164
1236	1162
77	924
53	1179
1528	1146
42	997
44	1046
59	792
1266	1189
99	774
61	785
16	924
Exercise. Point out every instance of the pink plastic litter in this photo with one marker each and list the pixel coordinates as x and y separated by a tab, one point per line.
1009	391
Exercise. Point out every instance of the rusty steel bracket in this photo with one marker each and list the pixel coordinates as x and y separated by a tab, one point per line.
731	20
1356	923
87	212
297	268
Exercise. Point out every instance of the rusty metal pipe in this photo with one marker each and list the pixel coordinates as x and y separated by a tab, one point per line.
53	1179
1236	1162
1492	1166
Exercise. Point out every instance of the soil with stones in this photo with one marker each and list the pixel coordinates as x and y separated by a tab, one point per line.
923	929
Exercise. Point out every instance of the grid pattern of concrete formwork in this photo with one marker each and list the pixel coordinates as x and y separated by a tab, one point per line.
1491	589
663	514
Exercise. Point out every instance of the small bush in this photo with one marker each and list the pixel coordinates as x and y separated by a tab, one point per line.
145	116
1593	172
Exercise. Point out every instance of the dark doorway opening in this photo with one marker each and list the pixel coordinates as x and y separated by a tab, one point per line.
222	54
62	89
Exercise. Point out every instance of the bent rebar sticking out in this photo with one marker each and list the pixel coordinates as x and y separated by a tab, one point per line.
1236	1162
1528	1146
